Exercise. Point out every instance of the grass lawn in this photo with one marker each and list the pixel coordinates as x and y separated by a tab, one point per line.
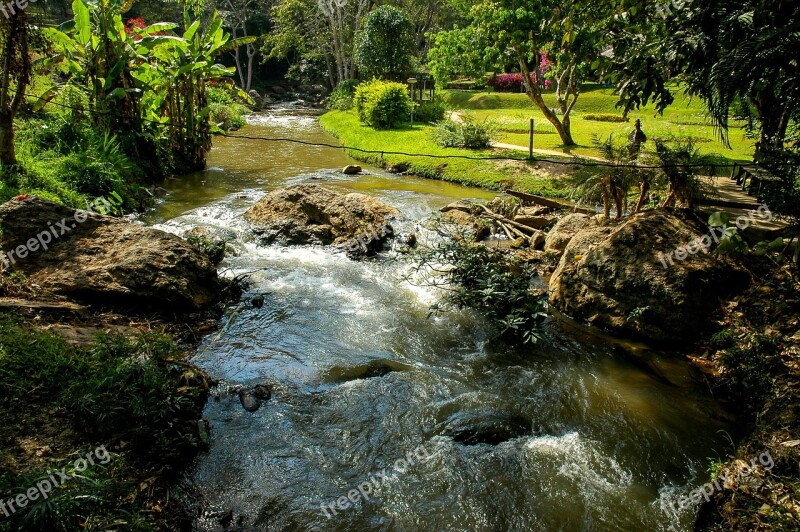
684	118
549	180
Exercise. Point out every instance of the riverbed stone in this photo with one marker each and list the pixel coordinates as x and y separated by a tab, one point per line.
617	277
101	259
352	169
311	214
249	401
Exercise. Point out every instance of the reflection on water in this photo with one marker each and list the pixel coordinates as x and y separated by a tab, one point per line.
362	377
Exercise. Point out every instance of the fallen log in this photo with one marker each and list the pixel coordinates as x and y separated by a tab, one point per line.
546	202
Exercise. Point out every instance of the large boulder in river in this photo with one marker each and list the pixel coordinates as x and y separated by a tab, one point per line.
619	277
95	258
311	214
566	228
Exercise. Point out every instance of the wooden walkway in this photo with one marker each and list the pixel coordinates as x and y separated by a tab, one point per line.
729	197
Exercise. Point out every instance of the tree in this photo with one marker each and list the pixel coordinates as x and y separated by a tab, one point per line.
308	32
238	16
16	71
385	44
733	55
456	52
527	33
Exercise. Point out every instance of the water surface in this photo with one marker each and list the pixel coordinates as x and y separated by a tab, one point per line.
615	433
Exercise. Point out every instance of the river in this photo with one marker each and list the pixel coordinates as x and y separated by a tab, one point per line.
615	433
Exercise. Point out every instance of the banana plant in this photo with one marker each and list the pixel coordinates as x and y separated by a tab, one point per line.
98	55
150	76
175	74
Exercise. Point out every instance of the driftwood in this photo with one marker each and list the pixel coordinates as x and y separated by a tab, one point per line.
511	228
516	226
546	202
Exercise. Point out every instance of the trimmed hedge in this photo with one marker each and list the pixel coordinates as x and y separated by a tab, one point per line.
382	104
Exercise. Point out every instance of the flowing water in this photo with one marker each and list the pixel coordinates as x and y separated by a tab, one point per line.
613	434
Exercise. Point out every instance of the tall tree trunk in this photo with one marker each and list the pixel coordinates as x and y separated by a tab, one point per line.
16	65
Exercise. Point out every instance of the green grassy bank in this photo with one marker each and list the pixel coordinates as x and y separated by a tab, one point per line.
684	118
494	175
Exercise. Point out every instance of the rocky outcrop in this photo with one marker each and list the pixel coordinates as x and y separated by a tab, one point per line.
99	259
566	228
619	277
311	214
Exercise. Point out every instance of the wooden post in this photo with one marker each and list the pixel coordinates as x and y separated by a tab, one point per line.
530	142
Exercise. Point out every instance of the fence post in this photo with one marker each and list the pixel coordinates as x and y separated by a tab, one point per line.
530	143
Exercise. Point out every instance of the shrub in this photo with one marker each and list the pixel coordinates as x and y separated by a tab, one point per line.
466	85
219	95
486	280
468	134
513	82
342	96
228	116
607	118
382	104
430	111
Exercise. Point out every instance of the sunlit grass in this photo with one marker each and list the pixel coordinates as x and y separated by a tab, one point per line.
418	139
684	118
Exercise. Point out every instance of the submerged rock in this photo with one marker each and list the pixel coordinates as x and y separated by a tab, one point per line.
614	277
311	214
371	370
491	428
99	259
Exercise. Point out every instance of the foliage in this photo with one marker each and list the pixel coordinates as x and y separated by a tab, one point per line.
430	111
515	83
784	196
316	37
456	52
228	117
465	134
117	390
613	182
342	96
385	44
730	241
713	46
486	280
683	165
539	37
749	365
383	104
72	163
135	77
